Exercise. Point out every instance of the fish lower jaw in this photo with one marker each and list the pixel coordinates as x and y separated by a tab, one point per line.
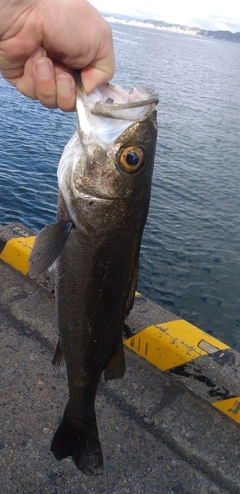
89	197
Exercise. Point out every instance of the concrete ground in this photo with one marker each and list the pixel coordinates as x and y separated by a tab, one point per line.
157	436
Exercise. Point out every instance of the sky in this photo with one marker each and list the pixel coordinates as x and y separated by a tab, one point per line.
206	14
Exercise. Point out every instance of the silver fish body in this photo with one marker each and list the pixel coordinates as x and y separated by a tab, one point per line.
104	192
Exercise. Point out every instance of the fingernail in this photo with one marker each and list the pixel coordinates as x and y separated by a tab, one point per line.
43	69
39	52
65	84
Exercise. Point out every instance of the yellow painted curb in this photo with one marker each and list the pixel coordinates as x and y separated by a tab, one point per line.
17	251
230	407
174	343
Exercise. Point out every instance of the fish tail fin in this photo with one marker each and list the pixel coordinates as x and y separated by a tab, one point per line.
81	443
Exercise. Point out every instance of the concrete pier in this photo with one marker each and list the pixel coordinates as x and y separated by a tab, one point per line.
170	426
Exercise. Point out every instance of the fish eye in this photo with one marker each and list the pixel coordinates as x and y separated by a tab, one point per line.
131	159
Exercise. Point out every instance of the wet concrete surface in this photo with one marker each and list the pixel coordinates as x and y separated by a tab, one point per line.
156	436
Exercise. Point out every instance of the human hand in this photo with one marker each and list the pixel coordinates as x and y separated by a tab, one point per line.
42	42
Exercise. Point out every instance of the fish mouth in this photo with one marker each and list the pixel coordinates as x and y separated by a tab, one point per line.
109	109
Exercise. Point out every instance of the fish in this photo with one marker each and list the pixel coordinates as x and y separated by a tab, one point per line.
104	180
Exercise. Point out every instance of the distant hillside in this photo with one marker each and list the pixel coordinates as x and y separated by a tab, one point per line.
228	35
169	25
225	35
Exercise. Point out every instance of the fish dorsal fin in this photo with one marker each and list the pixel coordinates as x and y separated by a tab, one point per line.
116	366
58	358
47	246
132	290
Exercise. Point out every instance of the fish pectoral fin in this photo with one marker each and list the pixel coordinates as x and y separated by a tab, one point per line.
48	245
116	367
58	358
